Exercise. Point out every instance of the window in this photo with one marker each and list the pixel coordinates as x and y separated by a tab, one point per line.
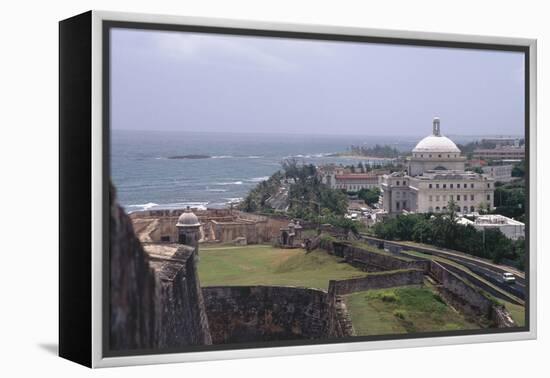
451	197
458	186
444	208
404	204
430	186
397	183
488	197
397	205
458	197
472	186
471	197
437	209
430	198
488	185
472	209
439	155
165	239
444	186
431	209
437	198
422	155
451	186
445	198
437	186
465	209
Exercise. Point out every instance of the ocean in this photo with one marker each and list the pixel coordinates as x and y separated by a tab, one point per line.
146	178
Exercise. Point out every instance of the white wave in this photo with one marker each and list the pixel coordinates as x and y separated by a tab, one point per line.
258	179
309	156
166	206
234	199
230	183
145	206
215	190
222	157
254	157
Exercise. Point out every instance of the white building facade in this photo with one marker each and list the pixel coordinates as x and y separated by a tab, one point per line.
500	173
436	177
511	228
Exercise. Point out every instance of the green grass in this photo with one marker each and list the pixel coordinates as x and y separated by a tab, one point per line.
517	312
266	265
402	310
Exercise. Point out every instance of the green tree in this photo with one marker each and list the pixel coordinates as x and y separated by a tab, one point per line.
370	196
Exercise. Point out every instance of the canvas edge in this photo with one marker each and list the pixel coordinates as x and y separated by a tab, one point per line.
97	193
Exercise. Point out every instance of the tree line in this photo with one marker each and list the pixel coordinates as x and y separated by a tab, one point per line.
444	231
377	150
308	198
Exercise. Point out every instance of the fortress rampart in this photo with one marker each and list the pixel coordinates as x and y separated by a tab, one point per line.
217	225
265	313
155	295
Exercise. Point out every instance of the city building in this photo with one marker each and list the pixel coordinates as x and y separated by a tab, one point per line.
500	173
500	153
500	142
436	177
340	178
511	228
353	182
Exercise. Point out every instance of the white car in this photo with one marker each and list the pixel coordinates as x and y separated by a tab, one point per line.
508	278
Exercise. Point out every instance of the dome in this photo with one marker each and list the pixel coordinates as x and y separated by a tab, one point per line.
188	219
437	144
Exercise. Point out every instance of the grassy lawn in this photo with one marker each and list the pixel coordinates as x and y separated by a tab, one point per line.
516	311
266	265
402	310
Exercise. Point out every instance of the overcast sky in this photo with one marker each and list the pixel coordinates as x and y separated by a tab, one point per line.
207	82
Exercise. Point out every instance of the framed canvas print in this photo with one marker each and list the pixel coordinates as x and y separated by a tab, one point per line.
233	189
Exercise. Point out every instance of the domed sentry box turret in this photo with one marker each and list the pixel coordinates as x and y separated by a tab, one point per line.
188	227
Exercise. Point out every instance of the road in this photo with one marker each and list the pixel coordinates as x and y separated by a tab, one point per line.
487	269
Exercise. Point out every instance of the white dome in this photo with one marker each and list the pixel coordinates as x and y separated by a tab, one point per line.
436	144
188	219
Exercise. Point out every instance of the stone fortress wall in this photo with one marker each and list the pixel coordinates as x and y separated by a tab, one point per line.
469	299
157	301
217	225
268	313
155	296
381	280
373	261
392	271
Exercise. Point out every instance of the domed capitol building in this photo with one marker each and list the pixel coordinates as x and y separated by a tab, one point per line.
436	176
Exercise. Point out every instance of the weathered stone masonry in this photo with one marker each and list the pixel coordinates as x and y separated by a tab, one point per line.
377	281
154	302
374	261
265	313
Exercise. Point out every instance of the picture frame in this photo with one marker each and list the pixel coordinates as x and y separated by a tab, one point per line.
86	206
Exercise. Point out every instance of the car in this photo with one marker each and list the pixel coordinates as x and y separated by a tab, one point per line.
509	278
